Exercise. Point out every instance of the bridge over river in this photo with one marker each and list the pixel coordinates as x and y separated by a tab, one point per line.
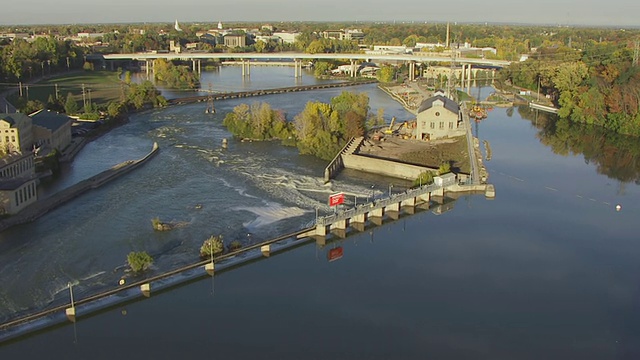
298	58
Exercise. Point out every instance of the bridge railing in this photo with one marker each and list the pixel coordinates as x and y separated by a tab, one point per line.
376	204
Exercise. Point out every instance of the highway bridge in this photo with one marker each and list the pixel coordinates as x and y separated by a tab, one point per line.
429	57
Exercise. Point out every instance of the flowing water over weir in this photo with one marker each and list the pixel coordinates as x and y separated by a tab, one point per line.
248	192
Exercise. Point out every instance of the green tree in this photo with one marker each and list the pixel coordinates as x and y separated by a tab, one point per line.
386	74
71	106
321	68
139	261
444	168
213	245
424	178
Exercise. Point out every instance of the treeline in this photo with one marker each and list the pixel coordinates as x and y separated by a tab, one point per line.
598	85
321	129
134	97
21	60
510	41
258	122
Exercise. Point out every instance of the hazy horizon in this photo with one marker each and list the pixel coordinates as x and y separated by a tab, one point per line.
614	13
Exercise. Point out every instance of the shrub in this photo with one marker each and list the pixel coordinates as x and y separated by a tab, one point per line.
139	261
214	243
444	168
235	245
424	178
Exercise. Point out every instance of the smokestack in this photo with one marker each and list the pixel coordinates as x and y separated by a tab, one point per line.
447	42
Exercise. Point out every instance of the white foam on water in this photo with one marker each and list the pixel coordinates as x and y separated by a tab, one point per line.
240	190
269	214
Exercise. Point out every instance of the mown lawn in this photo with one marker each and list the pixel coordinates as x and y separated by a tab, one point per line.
100	86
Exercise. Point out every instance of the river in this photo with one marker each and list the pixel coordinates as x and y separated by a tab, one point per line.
547	269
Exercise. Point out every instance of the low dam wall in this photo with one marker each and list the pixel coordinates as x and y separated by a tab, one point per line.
36	210
243	94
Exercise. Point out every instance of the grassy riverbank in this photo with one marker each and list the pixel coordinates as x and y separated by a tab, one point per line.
100	86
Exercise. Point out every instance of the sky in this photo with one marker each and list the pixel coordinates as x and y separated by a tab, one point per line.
562	12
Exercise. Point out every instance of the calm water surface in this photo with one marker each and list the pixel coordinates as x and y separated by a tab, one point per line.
546	270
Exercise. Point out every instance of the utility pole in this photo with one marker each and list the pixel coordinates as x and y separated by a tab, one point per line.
57	94
84	98
89	93
451	88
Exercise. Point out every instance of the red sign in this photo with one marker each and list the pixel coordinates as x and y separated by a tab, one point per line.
336	199
335	254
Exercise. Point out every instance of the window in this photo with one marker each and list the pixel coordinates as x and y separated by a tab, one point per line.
437	113
433	125
441	124
17	202
450	125
13	138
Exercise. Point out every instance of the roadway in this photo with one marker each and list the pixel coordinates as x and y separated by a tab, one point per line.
475	176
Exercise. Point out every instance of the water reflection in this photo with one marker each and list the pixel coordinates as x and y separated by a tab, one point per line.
615	155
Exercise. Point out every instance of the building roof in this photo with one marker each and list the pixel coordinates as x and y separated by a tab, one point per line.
13	158
448	104
14	118
50	119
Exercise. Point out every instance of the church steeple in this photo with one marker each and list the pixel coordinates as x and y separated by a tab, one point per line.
177	26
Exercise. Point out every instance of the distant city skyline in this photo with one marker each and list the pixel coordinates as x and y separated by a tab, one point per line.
561	12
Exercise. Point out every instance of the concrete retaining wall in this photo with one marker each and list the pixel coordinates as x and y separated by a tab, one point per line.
34	211
337	164
384	167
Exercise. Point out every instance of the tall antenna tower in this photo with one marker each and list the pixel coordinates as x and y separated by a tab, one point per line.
636	53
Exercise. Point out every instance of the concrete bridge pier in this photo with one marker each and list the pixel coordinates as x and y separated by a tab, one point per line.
321	230
298	68
395	215
412	70
358	219
425	197
147	65
409	202
358	226
246	68
342	224
393	210
196	65
462	76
